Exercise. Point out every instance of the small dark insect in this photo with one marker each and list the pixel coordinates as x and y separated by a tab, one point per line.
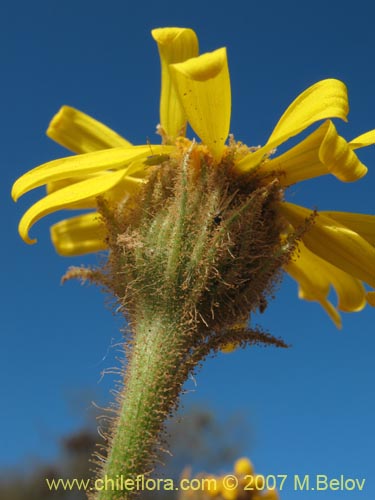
219	215
217	219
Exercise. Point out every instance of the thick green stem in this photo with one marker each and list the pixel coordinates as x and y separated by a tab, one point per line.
196	257
152	385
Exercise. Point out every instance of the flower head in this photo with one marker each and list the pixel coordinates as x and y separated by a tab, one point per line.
331	249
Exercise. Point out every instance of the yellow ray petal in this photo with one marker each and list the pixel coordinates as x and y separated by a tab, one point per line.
350	291
329	308
300	162
339	157
175	45
366	139
313	285
321	153
305	268
53	186
334	242
362	224
79	235
82	134
326	99
69	197
203	86
83	165
128	186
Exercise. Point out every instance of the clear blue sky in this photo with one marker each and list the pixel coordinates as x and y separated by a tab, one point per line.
311	408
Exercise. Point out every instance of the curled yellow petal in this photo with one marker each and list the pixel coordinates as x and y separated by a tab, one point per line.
325	99
350	291
81	133
175	45
333	242
305	268
300	162
82	166
69	197
315	277
319	275
321	153
339	157
329	308
362	224
79	235
203	86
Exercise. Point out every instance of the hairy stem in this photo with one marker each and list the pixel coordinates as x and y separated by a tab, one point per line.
152	385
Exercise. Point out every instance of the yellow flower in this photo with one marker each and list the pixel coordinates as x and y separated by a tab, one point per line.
242	483
243	467
336	249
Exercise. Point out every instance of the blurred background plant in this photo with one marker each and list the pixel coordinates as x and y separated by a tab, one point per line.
197	437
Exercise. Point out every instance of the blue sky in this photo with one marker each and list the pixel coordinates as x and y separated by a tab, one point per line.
311	408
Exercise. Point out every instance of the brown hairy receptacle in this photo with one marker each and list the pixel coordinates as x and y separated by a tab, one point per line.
201	237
